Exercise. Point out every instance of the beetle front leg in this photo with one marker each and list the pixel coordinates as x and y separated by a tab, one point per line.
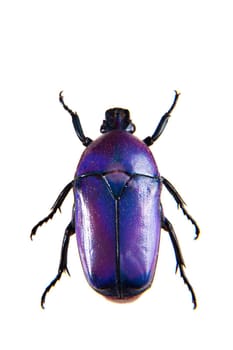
167	226
76	123
162	124
57	205
180	202
70	230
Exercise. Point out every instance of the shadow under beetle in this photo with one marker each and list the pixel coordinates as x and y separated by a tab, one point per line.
117	214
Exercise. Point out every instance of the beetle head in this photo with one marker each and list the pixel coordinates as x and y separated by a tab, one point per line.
117	119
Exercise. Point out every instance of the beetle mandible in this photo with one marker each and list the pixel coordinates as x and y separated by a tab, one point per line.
117	214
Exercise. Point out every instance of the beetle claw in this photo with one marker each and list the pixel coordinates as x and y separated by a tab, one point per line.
67	270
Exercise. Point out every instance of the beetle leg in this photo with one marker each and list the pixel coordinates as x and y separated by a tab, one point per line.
180	202
167	226
162	124
57	205
76	123
70	230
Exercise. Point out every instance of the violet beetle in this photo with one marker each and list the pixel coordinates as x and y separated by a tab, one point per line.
117	214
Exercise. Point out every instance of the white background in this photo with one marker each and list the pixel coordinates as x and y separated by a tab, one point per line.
131	54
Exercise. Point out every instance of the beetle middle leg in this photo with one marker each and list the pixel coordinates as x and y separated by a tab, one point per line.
180	202
167	226
57	205
70	230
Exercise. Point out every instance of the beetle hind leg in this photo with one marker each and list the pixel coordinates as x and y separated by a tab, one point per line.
70	230
167	226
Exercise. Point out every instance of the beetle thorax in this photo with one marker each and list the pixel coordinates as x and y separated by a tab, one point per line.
117	119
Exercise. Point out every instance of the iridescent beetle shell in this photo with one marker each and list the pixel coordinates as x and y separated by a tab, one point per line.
117	214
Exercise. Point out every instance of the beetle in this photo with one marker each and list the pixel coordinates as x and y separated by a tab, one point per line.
117	213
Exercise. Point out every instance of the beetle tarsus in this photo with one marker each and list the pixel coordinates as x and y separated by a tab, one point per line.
162	124
47	289
70	230
181	204
177	94
56	206
41	222
167	226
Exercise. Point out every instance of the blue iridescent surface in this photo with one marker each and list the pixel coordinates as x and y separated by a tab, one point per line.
117	214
